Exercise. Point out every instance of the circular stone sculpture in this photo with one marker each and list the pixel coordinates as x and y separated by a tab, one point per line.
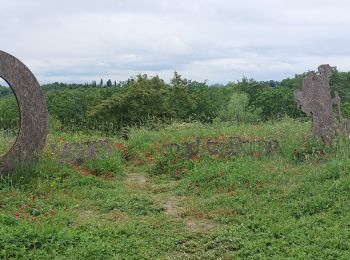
33	114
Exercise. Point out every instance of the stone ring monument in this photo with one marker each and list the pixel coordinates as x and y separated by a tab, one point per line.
33	114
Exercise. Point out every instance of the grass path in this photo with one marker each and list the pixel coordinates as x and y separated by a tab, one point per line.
176	207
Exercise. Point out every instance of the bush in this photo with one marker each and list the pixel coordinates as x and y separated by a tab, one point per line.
315	148
106	163
172	164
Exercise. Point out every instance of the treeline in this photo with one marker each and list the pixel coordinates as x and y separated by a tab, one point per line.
143	100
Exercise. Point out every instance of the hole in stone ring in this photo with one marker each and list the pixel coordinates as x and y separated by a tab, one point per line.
9	117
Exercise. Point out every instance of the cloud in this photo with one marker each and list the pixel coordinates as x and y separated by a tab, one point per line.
214	40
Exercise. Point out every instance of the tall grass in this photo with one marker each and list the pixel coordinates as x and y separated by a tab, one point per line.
291	205
7	140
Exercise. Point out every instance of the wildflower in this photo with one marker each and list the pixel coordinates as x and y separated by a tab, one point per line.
195	158
121	147
148	156
177	173
156	148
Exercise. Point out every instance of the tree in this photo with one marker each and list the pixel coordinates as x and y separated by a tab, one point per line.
109	83
276	103
5	91
238	110
71	105
9	118
182	102
143	98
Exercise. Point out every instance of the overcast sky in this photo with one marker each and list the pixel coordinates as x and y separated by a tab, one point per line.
214	40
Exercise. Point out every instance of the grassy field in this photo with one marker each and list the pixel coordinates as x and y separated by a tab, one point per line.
142	204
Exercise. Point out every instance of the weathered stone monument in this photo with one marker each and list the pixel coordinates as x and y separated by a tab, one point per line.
314	98
79	153
33	114
231	147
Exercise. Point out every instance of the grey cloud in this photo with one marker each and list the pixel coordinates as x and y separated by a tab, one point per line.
217	40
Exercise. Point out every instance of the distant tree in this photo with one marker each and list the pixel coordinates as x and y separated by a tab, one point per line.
192	100
183	103
9	118
109	83
101	82
144	97
238	110
71	105
293	83
277	102
5	91
340	82
139	97
250	87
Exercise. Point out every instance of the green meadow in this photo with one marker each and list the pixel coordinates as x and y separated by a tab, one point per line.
142	203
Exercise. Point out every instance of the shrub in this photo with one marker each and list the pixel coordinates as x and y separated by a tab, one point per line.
106	163
172	164
314	148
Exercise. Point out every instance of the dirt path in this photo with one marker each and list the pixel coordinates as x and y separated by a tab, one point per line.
136	179
174	206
